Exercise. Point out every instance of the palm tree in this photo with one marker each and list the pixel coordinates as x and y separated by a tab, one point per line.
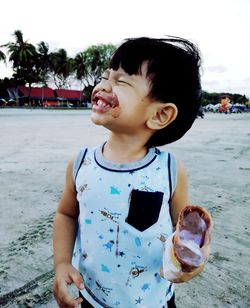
20	52
80	67
43	61
90	64
24	59
80	71
43	64
2	56
61	68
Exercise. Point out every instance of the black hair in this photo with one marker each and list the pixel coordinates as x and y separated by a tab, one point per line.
174	74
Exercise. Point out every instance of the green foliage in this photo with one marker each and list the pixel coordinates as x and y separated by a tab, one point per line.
43	61
91	63
37	65
21	53
30	65
61	68
23	56
96	59
214	98
2	56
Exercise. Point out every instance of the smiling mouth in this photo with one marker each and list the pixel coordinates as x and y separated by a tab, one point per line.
102	103
105	101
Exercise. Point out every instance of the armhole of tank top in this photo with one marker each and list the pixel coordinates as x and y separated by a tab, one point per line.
78	163
171	176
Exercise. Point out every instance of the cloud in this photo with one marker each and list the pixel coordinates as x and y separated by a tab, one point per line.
222	60
217	69
247	81
227	86
210	83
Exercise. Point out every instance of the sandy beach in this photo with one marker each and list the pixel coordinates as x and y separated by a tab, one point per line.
35	146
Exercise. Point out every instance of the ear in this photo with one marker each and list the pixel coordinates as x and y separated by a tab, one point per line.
162	115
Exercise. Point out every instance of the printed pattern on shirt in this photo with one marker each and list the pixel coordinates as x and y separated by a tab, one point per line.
120	238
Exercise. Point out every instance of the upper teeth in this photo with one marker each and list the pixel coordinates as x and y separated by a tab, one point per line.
101	103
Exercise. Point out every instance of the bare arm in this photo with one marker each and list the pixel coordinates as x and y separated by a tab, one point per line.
65	222
178	202
180	196
64	233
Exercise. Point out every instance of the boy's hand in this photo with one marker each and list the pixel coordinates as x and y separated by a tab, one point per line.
66	274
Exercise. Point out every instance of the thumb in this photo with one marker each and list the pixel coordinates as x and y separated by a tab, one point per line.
77	280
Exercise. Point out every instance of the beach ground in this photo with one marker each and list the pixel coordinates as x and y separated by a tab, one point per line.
35	146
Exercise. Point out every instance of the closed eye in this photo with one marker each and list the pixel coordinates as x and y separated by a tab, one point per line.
122	81
105	75
104	78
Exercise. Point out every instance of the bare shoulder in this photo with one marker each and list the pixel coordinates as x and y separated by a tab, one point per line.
180	196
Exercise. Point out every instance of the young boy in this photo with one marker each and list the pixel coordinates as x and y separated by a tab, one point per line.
122	199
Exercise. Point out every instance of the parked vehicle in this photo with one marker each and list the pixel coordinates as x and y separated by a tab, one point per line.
211	107
48	104
3	102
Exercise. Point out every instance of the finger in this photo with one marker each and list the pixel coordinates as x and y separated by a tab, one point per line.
77	279
79	300
64	297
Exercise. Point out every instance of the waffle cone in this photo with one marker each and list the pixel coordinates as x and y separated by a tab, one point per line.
206	240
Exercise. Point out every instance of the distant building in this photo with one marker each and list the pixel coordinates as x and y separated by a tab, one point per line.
38	96
45	97
72	97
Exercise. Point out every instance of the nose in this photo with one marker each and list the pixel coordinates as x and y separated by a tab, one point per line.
105	85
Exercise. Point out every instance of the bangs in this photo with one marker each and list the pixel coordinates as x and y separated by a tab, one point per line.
158	53
131	55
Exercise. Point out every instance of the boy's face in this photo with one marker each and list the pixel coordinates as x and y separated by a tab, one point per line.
120	101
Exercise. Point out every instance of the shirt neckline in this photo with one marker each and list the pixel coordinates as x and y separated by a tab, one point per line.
127	167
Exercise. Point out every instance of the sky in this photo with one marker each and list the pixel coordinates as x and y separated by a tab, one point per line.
219	27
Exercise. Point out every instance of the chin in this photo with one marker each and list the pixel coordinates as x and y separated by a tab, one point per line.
96	119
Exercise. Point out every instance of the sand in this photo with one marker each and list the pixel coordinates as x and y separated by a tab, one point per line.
35	146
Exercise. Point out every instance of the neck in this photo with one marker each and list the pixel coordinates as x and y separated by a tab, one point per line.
121	149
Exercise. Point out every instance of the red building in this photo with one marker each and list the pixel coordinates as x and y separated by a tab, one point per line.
45	97
36	96
69	97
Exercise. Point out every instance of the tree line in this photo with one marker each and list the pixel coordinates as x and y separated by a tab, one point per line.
37	65
214	98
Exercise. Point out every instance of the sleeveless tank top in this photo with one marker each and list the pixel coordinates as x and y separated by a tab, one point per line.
124	220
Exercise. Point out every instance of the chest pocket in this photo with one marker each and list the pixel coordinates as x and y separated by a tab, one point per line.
144	209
